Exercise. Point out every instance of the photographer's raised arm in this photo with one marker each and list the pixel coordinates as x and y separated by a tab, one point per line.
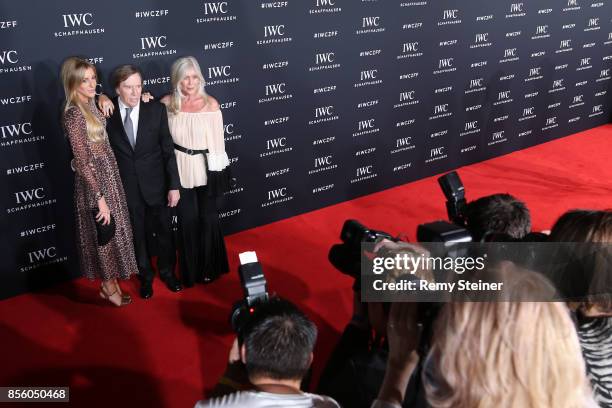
403	334
235	377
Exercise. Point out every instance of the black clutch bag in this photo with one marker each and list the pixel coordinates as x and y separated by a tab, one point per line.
104	233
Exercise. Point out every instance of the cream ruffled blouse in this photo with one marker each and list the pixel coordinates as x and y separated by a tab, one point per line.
198	131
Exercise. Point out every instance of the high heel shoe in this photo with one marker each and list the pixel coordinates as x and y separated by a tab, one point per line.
124	299
124	296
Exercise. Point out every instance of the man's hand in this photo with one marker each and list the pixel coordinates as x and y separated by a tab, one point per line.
105	105
146	97
173	198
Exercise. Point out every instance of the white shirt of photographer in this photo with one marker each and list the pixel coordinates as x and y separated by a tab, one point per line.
257	399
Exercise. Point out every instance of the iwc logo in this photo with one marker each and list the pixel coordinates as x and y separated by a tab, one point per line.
450	16
322	164
325	7
497	137
565	46
551	123
597	110
577	101
370	25
277	196
445	65
541	32
481	40
364	173
572	5
476	85
153	46
557	86
406	98
516	10
441	111
592	24
403	144
410	50
324	114
276	146
436	153
275	34
368	77
18	133
470	127
324	61
78	24
503	97
9	62
535	73
366	127
216	12
30	198
275	92
510	55
221	75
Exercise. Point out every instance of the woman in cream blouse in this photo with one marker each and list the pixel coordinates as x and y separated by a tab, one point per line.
196	125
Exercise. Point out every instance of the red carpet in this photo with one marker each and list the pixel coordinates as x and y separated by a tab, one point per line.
166	351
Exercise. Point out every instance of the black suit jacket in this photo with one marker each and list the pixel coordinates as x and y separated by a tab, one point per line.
149	170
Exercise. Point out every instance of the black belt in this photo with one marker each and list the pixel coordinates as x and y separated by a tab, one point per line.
189	151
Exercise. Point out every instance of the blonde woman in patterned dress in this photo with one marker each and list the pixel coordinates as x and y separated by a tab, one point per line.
196	126
97	185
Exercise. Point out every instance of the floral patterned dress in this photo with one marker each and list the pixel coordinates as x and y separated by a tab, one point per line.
97	172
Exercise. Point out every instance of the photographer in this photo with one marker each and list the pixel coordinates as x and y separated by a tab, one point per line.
355	370
499	214
356	367
274	352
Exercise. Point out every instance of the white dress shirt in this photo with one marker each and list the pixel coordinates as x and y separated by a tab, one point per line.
134	115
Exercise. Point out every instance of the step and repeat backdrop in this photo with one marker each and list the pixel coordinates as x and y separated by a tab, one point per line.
323	100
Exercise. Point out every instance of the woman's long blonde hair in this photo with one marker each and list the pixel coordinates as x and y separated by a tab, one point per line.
72	73
177	74
506	354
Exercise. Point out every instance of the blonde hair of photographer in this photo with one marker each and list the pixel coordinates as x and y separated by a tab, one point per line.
507	353
73	72
177	74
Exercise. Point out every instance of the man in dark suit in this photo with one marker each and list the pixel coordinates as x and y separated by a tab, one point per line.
140	138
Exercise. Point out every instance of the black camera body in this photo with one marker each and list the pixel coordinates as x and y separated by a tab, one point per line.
347	256
255	288
354	233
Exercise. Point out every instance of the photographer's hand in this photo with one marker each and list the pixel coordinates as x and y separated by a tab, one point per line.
387	245
234	354
403	335
235	377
